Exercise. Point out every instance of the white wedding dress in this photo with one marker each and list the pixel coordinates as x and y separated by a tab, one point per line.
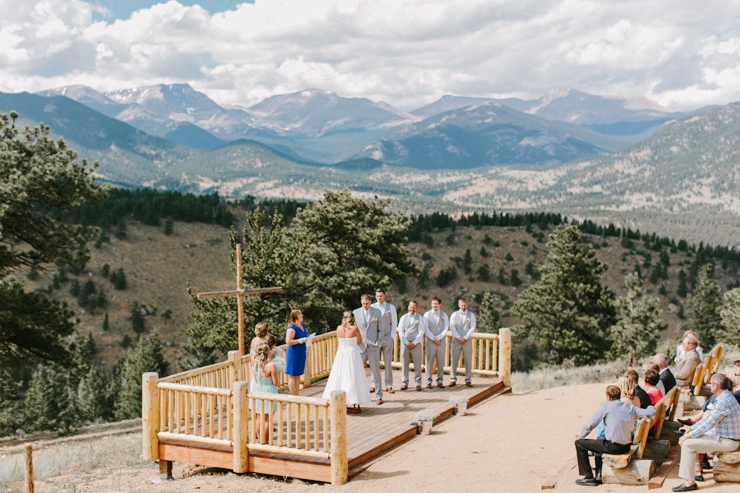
348	374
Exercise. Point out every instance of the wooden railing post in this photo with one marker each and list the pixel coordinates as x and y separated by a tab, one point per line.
236	361
339	464
308	370
29	468
504	358
240	436
150	415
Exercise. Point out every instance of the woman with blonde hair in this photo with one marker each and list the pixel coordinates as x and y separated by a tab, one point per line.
295	357
260	332
627	386
264	379
347	371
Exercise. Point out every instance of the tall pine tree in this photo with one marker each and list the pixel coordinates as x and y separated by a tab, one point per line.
568	310
637	331
147	357
731	315
489	319
704	305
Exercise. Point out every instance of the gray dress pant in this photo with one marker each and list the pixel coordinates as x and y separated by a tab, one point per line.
372	355
406	356
387	350
438	353
467	351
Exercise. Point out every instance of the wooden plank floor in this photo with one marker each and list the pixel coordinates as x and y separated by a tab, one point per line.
381	427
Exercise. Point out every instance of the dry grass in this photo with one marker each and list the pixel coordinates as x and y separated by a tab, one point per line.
67	467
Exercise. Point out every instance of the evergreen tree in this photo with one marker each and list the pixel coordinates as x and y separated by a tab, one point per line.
41	181
92	396
101	301
484	274
106	324
531	271
118	279
704	307
9	397
488	320
568	310
487	239
467	263
483	252
515	281
450	239
138	324
637	331
169	227
683	289
501	277
105	271
665	259
147	357
655	275
509	258
731	316
50	403
120	231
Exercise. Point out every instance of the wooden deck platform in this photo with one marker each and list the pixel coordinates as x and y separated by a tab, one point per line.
377	429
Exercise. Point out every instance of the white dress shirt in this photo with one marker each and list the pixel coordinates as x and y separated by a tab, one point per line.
406	322
429	316
459	318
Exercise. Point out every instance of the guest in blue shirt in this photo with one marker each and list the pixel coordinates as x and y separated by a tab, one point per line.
619	418
295	356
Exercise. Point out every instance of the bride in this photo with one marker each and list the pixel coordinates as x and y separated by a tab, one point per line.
347	372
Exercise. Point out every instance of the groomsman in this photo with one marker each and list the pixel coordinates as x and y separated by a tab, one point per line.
367	319
388	325
411	328
437	324
462	326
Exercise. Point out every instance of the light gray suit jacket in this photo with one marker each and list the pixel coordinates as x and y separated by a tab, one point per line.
370	332
685	368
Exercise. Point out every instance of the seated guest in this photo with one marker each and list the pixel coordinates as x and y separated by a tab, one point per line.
627	387
666	377
717	431
639	391
649	365
650	379
619	418
685	368
737	381
681	351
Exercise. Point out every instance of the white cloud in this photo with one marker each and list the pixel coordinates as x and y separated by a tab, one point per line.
404	52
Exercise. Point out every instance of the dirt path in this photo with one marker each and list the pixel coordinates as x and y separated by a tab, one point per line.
514	442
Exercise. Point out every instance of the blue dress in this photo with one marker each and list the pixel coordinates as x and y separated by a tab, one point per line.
263	384
295	356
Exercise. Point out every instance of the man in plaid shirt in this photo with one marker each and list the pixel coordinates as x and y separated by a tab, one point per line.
717	431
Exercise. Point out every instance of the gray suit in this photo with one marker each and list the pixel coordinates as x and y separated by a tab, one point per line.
388	323
370	346
411	329
439	330
685	368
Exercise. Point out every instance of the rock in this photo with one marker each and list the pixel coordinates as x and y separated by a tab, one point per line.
672	308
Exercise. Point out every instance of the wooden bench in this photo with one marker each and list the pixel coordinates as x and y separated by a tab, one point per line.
726	467
630	468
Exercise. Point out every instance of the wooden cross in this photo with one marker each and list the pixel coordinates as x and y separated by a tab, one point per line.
239	293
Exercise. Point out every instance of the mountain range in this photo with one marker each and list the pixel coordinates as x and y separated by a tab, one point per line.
320	126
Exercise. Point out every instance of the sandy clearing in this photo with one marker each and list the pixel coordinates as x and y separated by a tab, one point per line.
512	443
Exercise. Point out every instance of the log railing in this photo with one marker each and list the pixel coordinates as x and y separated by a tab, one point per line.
486	354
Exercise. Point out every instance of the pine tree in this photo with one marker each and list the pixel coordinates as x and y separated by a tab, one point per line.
568	310
101	301
637	331
50	402
489	320
169	227
683	289
483	252
484	273
147	357
92	396
105	271
487	239
120	231
731	316
467	263
9	398
515	281
509	257
704	305
501	277
138	324
106	324
118	279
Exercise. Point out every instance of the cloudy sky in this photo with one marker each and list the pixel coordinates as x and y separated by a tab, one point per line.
680	53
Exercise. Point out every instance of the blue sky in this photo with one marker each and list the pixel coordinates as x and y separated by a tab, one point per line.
682	54
122	9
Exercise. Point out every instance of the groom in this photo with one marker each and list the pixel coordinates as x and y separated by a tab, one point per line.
368	320
388	325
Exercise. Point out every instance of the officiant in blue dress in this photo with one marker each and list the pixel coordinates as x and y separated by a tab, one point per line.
295	356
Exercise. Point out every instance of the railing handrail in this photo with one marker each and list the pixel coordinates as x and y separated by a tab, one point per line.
293	399
195	388
196	371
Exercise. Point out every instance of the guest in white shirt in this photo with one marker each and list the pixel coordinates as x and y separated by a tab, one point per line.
437	325
462	326
411	329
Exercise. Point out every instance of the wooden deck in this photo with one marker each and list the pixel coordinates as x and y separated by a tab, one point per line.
377	429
